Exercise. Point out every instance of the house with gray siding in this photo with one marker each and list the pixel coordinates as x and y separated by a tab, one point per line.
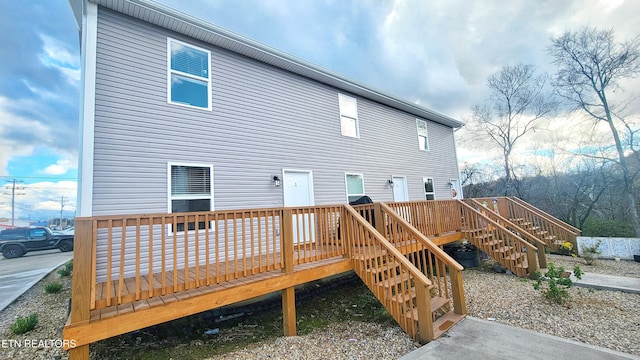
181	115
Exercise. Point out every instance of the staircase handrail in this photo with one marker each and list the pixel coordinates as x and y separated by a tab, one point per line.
504	220
567	227
436	250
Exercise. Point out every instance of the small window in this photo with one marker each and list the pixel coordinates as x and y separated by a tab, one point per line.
189	82
429	193
190	191
423	139
348	116
355	186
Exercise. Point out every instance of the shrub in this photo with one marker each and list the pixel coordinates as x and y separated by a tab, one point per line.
53	288
606	228
590	253
24	324
557	283
66	271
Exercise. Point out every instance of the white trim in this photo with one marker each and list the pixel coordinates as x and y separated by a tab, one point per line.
312	198
87	110
459	189
426	136
349	117
346	188
433	182
406	187
200	78
178	163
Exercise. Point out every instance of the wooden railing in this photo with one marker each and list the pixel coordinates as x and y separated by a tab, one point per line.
504	246
549	229
134	257
443	271
523	233
430	217
389	275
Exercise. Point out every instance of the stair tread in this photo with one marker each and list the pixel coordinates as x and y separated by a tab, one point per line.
411	295
503	249
382	268
484	236
445	322
436	303
396	280
493	242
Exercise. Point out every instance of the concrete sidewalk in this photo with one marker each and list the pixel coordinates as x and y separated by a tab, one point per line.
474	338
608	282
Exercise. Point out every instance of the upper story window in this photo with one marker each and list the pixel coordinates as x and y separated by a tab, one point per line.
348	116
355	186
190	190
429	192
189	81
423	139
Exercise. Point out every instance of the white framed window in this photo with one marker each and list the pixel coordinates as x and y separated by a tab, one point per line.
429	192
188	78
190	189
348	116
355	186
423	139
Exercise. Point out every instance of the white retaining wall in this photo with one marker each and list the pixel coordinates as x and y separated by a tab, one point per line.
623	248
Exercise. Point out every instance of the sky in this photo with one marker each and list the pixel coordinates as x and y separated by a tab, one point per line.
435	53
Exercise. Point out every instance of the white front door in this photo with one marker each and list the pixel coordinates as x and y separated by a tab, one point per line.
456	189
400	190
298	191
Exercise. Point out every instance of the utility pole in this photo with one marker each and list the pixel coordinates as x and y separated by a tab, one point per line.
14	187
61	207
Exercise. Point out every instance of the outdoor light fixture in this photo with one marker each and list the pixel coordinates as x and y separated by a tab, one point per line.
390	182
276	180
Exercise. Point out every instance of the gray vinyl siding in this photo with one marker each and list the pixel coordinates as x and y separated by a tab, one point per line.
263	119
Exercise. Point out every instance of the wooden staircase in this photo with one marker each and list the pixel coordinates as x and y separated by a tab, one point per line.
486	231
424	303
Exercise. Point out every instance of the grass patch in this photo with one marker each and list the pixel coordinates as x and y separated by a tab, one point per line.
184	338
53	287
24	324
66	270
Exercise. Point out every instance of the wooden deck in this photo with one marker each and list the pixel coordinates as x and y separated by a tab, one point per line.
129	271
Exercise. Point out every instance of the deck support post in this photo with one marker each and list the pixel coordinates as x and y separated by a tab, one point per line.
79	353
425	322
81	281
378	218
457	289
438	218
531	260
289	311
542	257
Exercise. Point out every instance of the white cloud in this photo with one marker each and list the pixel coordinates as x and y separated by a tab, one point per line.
56	54
60	168
41	200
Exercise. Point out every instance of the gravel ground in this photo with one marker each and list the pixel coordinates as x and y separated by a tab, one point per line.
603	318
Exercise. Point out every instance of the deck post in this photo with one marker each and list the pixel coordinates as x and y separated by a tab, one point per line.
438	218
542	257
531	260
425	322
81	281
287	240
378	218
459	304
289	311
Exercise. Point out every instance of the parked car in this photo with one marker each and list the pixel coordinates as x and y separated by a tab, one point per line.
18	241
67	231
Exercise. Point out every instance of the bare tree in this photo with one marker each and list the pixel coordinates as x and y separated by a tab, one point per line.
590	66
518	100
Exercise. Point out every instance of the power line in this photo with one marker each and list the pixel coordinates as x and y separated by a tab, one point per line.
38	177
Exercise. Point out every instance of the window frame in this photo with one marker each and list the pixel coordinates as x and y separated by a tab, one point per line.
346	185
425	135
344	116
187	75
171	197
433	185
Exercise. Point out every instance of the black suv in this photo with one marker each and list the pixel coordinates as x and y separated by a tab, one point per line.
19	241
